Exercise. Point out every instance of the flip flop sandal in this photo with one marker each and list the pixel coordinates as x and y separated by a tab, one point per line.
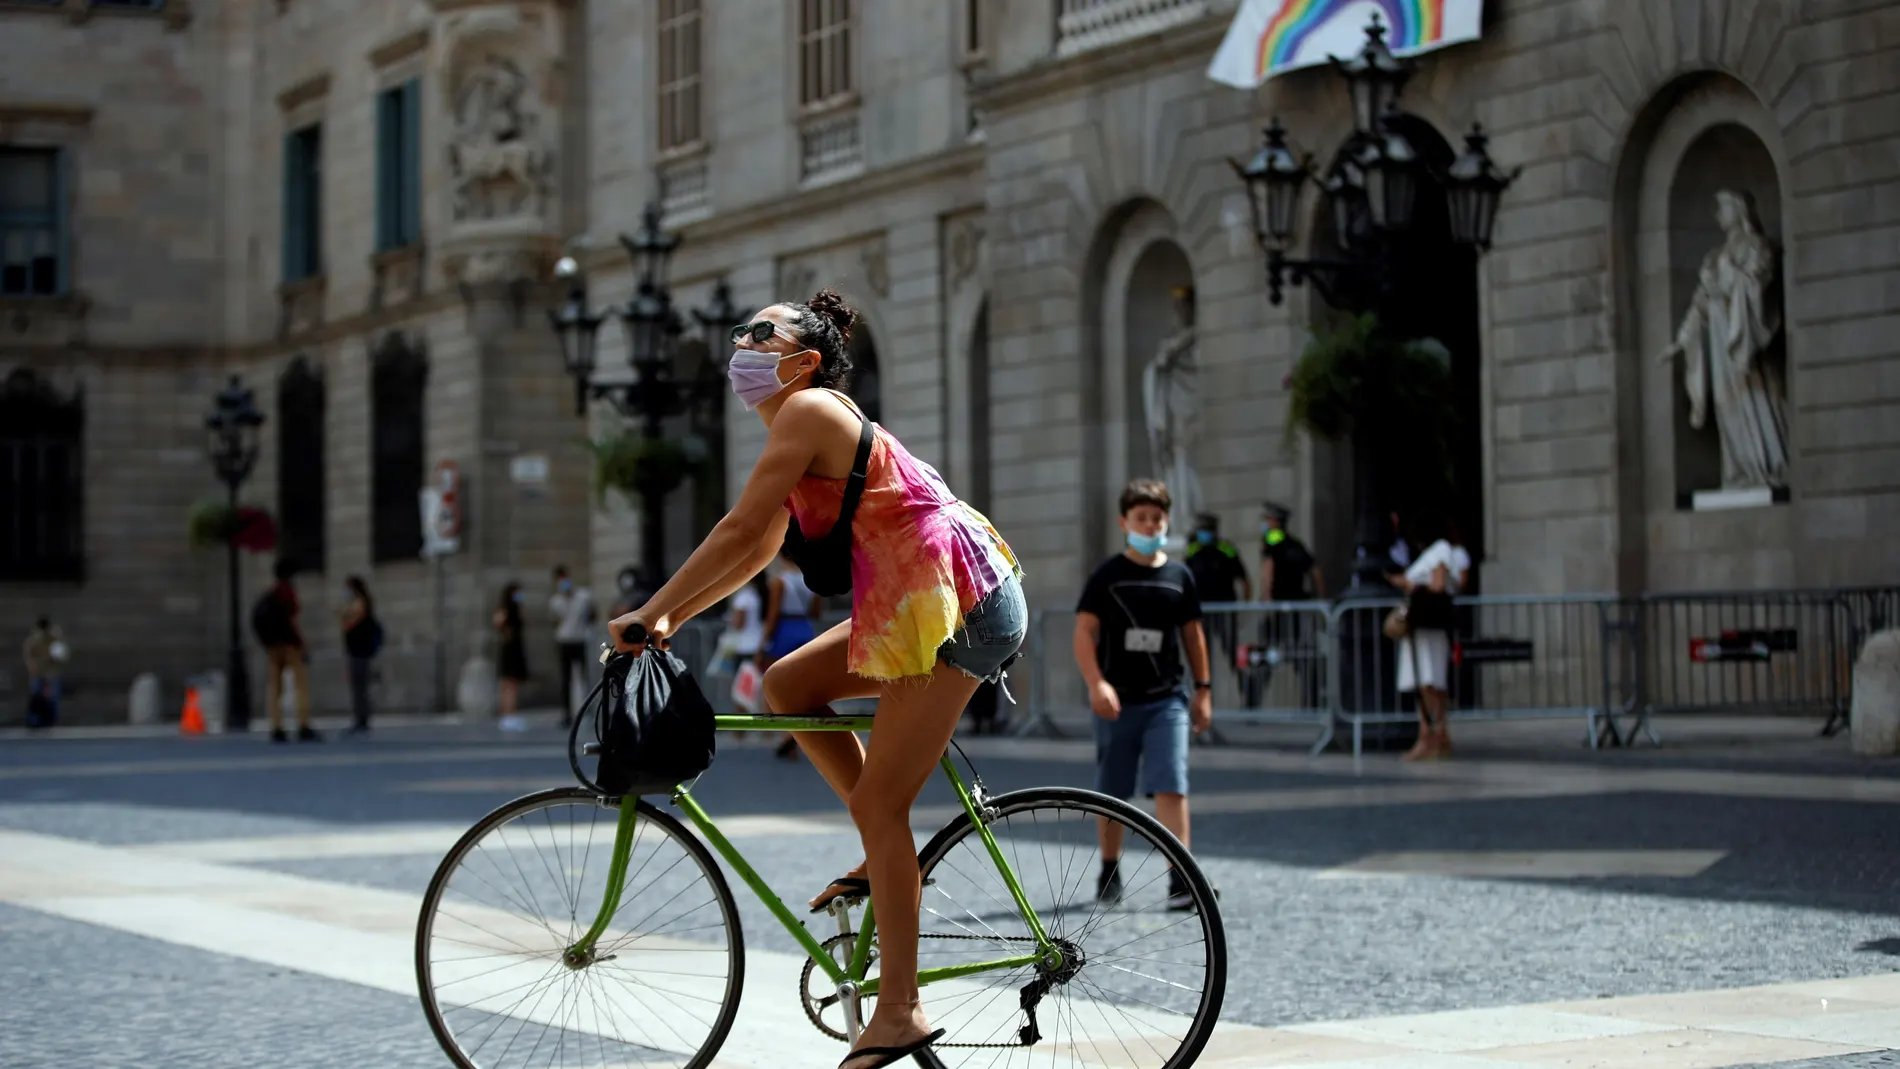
848	886
891	1055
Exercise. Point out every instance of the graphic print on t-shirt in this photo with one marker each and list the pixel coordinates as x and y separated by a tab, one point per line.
1142	610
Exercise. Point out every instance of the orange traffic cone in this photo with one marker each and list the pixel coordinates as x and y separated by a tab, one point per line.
193	721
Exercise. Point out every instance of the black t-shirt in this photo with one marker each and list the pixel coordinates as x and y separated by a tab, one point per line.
1217	569
1291	565
1142	610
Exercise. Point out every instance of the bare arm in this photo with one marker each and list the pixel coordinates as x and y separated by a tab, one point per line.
1194	644
1266	579
1319	582
789	451
740	575
1088	630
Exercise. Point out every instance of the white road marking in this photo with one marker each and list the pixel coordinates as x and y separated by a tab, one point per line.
1530	864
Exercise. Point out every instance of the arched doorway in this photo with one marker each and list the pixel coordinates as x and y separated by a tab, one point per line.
1159	282
866	389
979	423
1433	295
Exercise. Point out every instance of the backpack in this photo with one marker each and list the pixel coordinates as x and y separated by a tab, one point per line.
270	622
653	728
365	639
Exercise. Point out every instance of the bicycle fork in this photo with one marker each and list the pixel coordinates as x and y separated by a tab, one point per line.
583	952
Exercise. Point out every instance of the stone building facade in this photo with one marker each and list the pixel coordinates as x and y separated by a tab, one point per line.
1011	192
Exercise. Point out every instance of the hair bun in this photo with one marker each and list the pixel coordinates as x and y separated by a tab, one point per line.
830	304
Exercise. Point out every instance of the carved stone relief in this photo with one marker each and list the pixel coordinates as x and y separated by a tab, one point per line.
500	163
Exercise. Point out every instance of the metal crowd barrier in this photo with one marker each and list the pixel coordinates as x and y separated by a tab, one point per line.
1611	662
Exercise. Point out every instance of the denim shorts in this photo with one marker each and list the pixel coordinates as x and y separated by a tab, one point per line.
992	634
1151	736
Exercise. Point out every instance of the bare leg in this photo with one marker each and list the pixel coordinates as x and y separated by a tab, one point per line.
510	691
1109	834
807	681
913	726
1172	811
1441	716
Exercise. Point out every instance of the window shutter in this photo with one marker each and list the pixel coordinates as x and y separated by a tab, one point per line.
62	241
292	237
411	193
388	148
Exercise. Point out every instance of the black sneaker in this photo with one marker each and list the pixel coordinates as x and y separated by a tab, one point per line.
1180	898
277	735
308	734
1108	886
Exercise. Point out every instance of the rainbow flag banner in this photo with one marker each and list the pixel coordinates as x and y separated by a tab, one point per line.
1271	36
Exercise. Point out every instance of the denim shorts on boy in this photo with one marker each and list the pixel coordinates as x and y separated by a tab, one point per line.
1153	735
992	634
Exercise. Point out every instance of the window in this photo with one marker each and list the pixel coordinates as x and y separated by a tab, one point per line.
973	29
32	222
300	470
42	461
397	381
824	52
303	203
679	74
399	166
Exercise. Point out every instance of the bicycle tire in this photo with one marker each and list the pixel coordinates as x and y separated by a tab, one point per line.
1206	904
670	826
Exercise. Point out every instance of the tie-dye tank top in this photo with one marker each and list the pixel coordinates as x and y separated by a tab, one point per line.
920	559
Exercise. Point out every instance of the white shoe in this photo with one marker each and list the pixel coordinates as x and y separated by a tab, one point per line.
513	722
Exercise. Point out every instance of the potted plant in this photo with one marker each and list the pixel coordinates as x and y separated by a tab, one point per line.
633	463
215	523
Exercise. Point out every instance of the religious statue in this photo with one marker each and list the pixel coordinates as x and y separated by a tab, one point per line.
1171	401
1724	339
498	165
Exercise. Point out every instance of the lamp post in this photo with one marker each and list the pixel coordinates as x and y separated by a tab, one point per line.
1373	185
659	386
233	424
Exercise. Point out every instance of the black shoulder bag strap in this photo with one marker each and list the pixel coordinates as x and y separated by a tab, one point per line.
860	469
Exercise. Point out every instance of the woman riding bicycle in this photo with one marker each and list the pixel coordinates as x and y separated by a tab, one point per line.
936	608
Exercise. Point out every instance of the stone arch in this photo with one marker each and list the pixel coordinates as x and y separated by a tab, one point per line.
1136	259
1702	131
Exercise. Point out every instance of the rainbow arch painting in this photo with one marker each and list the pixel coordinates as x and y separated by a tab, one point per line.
1271	36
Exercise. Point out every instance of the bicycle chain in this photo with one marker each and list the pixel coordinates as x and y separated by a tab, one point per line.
1028	1036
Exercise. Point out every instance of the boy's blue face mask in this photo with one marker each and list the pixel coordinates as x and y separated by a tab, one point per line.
1145	544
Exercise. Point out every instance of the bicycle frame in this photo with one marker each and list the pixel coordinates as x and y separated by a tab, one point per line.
1046	953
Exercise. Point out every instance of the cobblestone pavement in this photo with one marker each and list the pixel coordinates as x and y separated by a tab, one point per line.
1804	884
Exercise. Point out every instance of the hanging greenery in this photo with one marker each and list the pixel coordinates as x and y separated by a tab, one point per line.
630	462
1392	397
215	523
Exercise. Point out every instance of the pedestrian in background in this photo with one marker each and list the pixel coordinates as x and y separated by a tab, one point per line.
790	612
1138	614
571	609
45	654
362	641
1219	577
511	660
1424	654
1288	572
274	622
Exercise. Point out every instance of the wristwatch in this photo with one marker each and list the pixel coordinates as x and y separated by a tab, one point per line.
1202	684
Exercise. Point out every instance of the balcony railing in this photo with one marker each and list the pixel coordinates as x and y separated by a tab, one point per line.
1082	25
831	147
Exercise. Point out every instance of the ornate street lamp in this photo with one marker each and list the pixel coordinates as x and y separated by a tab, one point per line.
1373	186
659	388
232	426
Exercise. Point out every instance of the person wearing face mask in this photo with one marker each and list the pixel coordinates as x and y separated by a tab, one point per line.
511	661
1219	576
1288	572
1138	614
571	610
936	608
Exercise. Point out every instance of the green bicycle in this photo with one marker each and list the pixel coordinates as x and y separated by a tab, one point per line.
531	952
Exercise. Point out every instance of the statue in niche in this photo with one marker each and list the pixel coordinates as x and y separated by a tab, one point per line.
1724	341
498	165
1171	401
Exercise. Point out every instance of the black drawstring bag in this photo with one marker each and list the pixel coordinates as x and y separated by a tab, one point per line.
653	729
826	560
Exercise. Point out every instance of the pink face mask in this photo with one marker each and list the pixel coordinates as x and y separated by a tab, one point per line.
754	376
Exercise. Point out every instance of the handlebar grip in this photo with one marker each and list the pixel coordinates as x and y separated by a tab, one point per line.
635	635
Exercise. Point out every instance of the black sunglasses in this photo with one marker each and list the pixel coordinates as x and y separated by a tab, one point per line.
759	332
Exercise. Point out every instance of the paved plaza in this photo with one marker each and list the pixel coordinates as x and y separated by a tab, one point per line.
221	902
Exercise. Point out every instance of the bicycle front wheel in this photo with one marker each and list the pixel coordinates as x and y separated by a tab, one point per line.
1144	953
662	984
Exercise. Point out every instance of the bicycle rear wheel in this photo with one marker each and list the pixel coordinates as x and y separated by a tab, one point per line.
518	890
1141	984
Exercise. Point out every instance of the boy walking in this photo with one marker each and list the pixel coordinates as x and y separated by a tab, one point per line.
1138	614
